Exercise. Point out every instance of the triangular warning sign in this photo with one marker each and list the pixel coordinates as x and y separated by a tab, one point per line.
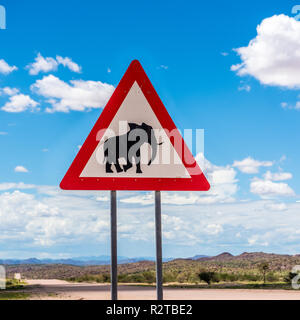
134	145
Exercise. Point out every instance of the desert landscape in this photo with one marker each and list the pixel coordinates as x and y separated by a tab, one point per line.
249	276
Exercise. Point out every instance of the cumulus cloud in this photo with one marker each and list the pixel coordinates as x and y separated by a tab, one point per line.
19	103
42	64
276	206
79	95
67	62
53	218
272	57
49	64
9	91
278	176
4	186
223	188
250	165
268	188
102	198
21	169
42	223
5	68
146	199
172	198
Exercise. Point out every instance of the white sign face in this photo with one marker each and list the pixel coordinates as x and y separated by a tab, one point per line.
135	113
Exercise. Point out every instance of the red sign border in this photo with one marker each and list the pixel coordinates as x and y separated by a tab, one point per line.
72	180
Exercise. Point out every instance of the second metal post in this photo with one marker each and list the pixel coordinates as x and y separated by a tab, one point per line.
159	272
114	259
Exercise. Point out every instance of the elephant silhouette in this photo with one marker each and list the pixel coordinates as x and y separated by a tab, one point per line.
128	146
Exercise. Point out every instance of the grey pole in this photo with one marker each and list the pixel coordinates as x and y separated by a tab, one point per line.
159	273
114	259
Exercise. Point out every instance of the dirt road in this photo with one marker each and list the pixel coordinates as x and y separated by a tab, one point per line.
58	289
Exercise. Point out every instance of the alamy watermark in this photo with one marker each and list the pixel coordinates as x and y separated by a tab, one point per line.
2	278
2	17
295	10
296	278
134	144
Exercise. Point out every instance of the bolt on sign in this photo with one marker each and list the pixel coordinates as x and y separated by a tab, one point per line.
134	145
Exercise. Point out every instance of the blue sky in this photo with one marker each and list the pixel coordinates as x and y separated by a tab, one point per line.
245	99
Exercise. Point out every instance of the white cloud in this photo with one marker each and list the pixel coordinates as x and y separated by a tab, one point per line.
223	175
20	103
54	218
250	165
256	239
5	68
147	199
223	188
278	176
164	67
102	199
79	95
282	158
51	219
222	180
9	91
42	64
21	169
172	198
276	206
49	64
67	62
3	133
224	54
273	55
287	106
214	229
245	87
11	185
267	188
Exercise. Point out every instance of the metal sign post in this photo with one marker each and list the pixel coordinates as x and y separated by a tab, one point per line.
113	234
159	273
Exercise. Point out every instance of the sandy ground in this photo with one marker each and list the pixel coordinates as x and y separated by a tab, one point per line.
58	289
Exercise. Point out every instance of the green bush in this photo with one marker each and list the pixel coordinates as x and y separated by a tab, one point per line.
149	276
208	277
169	276
271	277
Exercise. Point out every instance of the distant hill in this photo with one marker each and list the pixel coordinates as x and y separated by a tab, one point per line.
199	256
230	267
78	261
221	257
245	259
